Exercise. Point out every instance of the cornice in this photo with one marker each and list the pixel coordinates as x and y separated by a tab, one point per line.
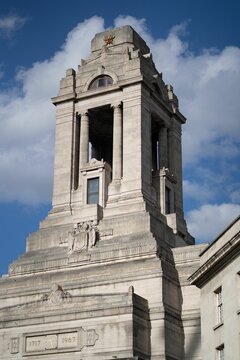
216	262
62	98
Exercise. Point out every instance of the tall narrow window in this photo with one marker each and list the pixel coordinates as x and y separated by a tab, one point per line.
155	146
220	352
93	191
101	134
167	200
218	293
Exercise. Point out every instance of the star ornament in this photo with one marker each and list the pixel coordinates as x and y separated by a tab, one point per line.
109	39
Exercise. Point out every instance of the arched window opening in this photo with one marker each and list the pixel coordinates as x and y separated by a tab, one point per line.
101	81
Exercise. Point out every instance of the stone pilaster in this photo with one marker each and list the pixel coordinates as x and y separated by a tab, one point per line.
117	142
84	139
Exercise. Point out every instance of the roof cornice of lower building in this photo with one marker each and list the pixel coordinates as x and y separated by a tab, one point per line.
216	262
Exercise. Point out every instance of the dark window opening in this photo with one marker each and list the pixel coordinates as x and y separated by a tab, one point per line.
101	134
101	81
155	154
155	146
76	153
218	293
160	145
167	200
93	191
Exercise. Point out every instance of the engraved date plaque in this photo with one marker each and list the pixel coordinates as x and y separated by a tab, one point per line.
67	340
35	343
62	341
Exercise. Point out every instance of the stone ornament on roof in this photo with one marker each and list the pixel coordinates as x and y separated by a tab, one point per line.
108	39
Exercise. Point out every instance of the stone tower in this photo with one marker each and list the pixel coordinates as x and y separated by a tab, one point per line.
118	134
99	280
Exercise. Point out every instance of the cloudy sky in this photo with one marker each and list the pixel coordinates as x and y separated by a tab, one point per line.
196	45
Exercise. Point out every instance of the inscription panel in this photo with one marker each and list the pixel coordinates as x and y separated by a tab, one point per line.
67	340
35	343
51	342
62	341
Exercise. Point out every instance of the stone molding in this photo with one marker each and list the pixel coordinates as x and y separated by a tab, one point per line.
221	257
51	308
28	268
85	257
187	253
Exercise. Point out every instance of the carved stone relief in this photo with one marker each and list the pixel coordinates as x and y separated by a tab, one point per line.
92	337
14	346
56	296
83	236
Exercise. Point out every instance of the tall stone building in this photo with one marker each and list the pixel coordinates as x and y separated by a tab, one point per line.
106	275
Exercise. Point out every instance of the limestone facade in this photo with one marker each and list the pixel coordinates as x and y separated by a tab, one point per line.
106	275
218	277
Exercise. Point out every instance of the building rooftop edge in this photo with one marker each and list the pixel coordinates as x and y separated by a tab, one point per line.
220	235
217	261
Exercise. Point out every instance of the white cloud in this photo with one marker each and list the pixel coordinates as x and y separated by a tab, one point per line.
235	196
10	24
198	191
27	120
206	222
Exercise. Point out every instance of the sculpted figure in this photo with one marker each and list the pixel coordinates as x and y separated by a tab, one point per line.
83	236
71	239
92	234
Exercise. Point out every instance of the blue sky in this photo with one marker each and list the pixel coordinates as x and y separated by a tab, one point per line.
196	44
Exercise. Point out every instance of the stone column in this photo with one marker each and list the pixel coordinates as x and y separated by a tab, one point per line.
84	139
163	147
117	142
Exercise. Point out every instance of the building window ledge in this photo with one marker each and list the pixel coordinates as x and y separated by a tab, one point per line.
218	326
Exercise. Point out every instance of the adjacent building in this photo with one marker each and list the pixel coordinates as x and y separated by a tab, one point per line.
218	277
